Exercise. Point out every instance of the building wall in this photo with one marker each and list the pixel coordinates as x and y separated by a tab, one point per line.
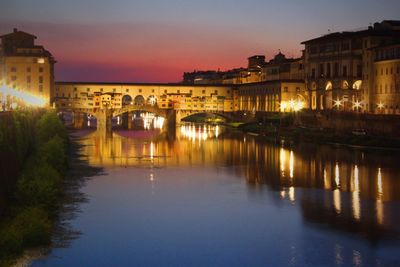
272	96
386	93
29	74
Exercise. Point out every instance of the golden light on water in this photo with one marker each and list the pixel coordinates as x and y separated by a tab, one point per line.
291	164
193	132
282	157
337	201
28	98
337	175
356	195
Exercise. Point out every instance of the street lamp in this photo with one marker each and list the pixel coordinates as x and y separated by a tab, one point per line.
381	106
357	105
337	103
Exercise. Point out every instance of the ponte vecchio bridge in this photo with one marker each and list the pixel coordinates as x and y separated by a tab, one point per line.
173	102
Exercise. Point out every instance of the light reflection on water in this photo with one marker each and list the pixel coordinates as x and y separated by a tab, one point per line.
347	201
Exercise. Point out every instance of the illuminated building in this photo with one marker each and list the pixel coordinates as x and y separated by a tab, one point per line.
25	66
186	98
341	69
386	86
273	96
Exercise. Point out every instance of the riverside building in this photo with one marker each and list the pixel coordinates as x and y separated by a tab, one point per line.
26	67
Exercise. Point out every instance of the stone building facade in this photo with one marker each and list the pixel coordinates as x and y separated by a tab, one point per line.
25	66
340	67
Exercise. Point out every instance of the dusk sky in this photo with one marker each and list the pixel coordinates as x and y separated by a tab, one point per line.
157	40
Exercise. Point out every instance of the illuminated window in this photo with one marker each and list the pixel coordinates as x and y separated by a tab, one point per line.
40	60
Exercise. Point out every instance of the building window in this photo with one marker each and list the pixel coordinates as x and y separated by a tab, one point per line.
204	91
321	70
359	70
75	89
40	69
40	79
28	69
152	90
216	92
13	69
114	90
13	78
127	90
313	73
88	89
285	89
328	70
178	91
297	89
344	74
165	91
140	90
101	89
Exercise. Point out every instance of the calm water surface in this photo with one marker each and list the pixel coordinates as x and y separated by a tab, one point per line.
206	197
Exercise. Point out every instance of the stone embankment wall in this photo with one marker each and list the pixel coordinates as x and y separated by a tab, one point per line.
388	125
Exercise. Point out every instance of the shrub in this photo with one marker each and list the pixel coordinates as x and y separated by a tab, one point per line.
48	126
53	153
31	227
40	186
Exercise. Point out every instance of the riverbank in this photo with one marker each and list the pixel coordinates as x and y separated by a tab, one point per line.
33	198
296	134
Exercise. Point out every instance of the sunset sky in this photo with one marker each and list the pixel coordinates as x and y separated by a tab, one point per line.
157	40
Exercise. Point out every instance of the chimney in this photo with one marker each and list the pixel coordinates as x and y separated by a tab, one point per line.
15	30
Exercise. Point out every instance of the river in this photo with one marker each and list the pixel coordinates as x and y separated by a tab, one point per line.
205	196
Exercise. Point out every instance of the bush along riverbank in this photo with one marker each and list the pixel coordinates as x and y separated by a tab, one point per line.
40	143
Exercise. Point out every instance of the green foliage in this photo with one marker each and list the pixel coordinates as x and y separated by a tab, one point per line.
40	145
40	186
53	153
30	227
48	126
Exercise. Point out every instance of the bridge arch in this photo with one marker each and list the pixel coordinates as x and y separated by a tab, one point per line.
139	100
127	100
184	115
